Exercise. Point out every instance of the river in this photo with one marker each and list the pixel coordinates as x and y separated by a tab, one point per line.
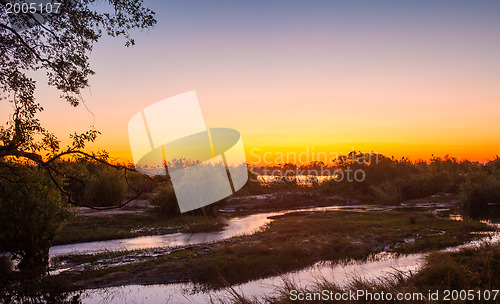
383	265
235	226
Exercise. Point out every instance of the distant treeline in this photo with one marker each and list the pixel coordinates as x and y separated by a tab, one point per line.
389	180
382	179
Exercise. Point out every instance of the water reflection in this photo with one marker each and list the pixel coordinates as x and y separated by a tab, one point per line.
488	213
456	217
235	226
186	292
39	296
302	180
384	265
485	214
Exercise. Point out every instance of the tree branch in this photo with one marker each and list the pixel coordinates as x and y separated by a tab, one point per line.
35	53
72	202
47	166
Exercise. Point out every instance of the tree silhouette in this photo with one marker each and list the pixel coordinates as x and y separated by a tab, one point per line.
59	44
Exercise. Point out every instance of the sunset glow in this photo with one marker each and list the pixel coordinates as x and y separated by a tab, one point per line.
395	78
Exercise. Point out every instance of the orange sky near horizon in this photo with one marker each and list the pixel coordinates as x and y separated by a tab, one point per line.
399	80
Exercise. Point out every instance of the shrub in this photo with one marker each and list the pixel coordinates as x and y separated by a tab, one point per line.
471	268
253	185
107	188
390	180
386	193
165	201
141	182
481	190
32	209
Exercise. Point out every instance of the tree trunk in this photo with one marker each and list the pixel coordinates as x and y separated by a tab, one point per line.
35	260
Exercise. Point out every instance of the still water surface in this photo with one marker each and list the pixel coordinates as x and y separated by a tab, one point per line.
235	226
382	266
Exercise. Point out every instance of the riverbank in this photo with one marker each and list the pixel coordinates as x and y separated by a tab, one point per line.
141	219
91	228
470	275
290	242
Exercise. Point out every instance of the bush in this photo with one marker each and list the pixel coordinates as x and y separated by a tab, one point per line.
417	185
471	268
141	182
165	201
386	193
107	188
479	191
32	209
390	180
253	186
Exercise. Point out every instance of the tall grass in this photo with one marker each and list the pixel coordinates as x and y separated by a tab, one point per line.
165	201
391	181
476	269
386	193
482	188
107	188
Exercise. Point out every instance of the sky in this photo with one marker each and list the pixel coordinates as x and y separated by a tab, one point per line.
398	78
